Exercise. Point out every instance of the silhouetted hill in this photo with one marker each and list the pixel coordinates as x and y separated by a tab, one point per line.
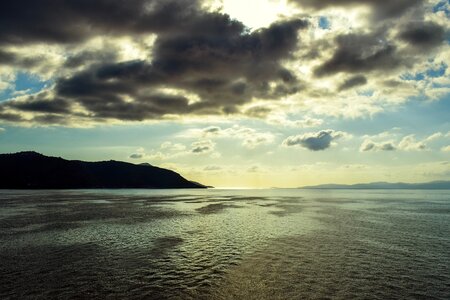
31	170
434	185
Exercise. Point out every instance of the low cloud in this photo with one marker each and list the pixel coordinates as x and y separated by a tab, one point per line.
202	147
434	136
212	130
387	147
251	138
212	168
137	155
170	150
409	143
306	122
353	82
357	53
172	147
251	142
369	145
406	143
423	35
314	141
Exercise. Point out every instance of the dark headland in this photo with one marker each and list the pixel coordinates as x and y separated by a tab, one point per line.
31	170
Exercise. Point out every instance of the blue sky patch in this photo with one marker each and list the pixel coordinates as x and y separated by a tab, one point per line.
442	6
437	72
415	77
366	93
25	82
324	23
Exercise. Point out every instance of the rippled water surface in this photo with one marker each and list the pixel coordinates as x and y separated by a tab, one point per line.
225	244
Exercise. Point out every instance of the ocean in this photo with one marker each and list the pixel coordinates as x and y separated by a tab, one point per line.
225	244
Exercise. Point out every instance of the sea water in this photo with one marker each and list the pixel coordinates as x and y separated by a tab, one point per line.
225	244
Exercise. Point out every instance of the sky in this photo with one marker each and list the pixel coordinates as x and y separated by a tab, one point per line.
232	93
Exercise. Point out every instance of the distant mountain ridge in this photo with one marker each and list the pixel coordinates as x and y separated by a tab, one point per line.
32	170
433	185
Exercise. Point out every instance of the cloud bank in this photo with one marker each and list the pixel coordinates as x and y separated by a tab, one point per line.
111	60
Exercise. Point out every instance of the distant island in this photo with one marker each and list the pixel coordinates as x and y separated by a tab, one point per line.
433	185
32	170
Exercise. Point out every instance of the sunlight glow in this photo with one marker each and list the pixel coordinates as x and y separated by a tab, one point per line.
256	13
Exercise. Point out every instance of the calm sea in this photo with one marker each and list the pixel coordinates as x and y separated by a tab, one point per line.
225	244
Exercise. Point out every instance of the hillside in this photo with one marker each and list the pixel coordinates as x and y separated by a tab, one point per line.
31	170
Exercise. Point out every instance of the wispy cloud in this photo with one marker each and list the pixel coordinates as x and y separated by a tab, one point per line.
249	137
446	148
406	143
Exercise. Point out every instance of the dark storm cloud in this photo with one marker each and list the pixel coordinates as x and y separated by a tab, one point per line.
200	62
10	117
33	104
50	110
8	58
375	49
210	56
382	9
143	107
85	57
423	34
352	82
258	112
313	141
361	53
68	21
228	65
115	78
50	119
